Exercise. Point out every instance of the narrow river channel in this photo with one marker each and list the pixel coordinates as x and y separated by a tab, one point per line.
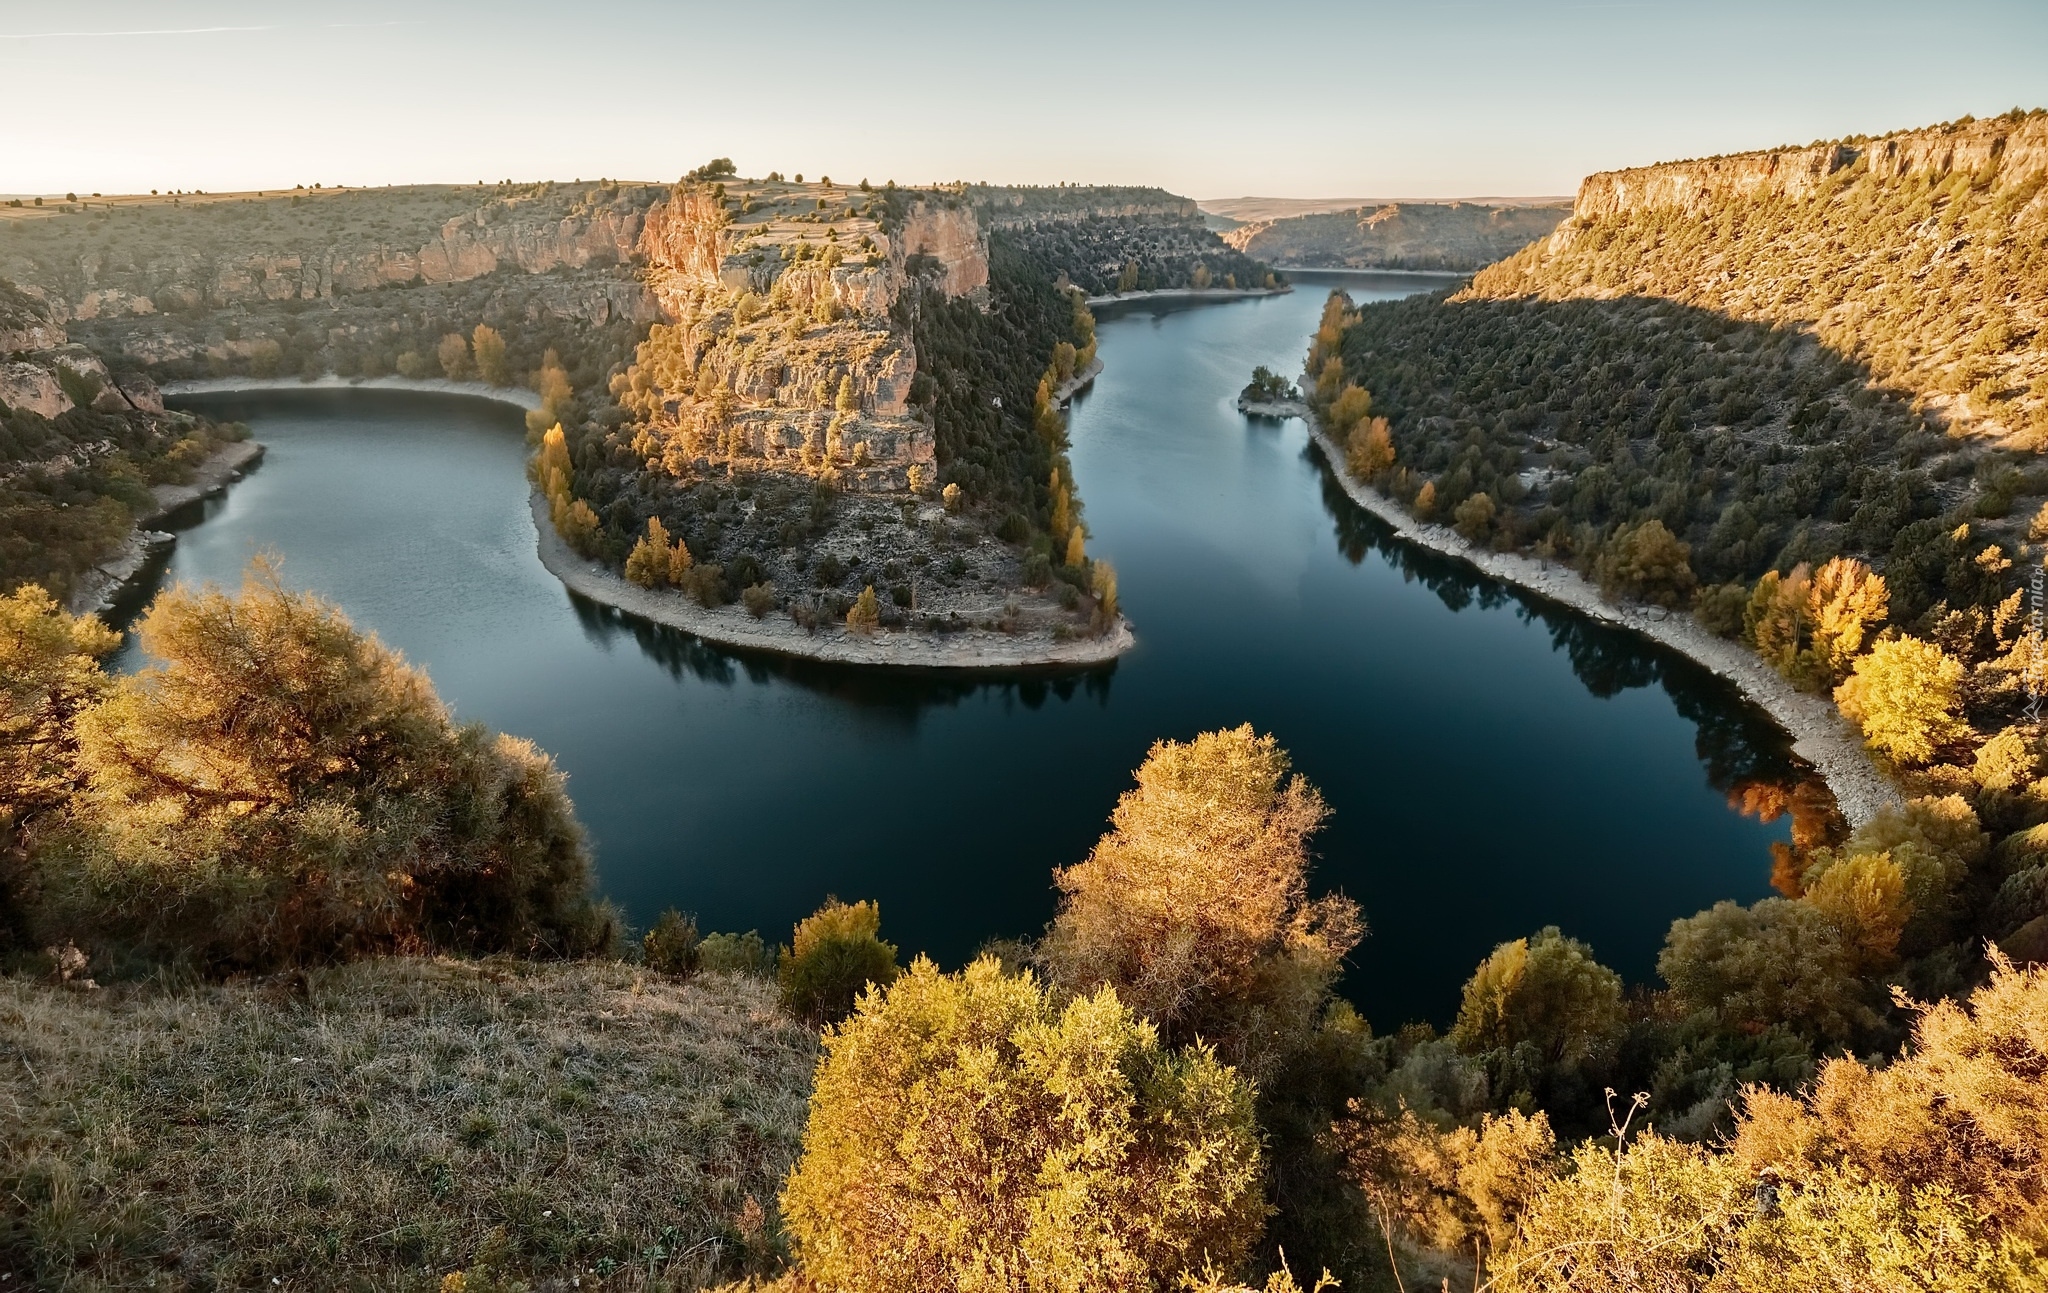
1495	764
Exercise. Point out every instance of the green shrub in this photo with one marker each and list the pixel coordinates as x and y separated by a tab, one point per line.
672	946
834	954
735	954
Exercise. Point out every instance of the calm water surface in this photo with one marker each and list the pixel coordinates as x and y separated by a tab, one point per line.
1495	763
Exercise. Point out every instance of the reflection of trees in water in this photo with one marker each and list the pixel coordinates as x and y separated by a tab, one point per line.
904	691
1745	755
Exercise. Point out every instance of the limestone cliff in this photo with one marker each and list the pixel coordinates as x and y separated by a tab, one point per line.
2006	151
172	260
1397	235
783	348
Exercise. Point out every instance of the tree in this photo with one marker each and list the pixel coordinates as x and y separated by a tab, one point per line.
1473	518
454	355
556	395
1370	450
1906	696
1845	605
1195	905
846	403
1102	583
967	1131
1547	991
1865	894
49	674
866	613
490	355
1351	407
834	954
1781	961
280	787
651	560
1647	563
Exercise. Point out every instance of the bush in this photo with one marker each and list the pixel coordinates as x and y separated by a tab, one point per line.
966	1129
672	946
1906	696
835	953
1547	991
281	788
759	599
1647	563
735	954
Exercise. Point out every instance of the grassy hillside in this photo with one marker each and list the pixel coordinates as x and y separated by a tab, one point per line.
379	1125
1778	371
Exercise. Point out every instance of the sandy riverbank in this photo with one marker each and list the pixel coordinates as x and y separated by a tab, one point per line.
1820	735
98	589
776	632
1186	294
517	396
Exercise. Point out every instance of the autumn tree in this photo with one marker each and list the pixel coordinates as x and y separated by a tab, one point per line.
1845	605
556	395
280	787
1547	991
865	615
652	560
973	1131
1195	905
490	355
1907	697
1647	563
453	353
49	674
1369	452
1930	1172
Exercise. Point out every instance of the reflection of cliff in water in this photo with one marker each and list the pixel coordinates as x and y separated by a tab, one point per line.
905	692
1746	755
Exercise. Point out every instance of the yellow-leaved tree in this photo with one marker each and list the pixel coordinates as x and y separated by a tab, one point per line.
1195	906
972	1131
49	673
1907	697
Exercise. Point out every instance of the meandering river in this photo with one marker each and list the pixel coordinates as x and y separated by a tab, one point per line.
1495	765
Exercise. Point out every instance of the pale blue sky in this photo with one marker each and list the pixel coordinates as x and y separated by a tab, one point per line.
1285	97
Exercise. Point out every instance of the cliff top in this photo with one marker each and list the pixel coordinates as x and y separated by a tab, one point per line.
2007	150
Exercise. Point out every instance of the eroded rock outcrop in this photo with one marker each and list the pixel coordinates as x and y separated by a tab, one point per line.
782	347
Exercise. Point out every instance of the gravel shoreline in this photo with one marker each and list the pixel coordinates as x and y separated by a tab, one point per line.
1820	735
100	587
777	633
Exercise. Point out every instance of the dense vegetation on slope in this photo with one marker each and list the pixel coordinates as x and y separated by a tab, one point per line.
79	451
1398	235
1106	239
1714	391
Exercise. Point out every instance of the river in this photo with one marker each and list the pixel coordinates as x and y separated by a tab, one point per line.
1495	765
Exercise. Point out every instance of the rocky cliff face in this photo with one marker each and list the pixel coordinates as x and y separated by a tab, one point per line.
784	350
2007	152
1404	235
41	370
211	258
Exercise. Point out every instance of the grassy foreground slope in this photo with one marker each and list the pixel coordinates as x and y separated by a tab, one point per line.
386	1122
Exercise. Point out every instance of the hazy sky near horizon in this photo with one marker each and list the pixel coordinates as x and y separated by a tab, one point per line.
1287	98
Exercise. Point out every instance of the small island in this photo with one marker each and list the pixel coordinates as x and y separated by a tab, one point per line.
1269	395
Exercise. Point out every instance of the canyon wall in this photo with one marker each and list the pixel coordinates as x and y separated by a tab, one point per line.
338	250
781	301
1398	235
2009	152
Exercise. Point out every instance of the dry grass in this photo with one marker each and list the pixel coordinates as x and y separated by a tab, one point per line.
380	1125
